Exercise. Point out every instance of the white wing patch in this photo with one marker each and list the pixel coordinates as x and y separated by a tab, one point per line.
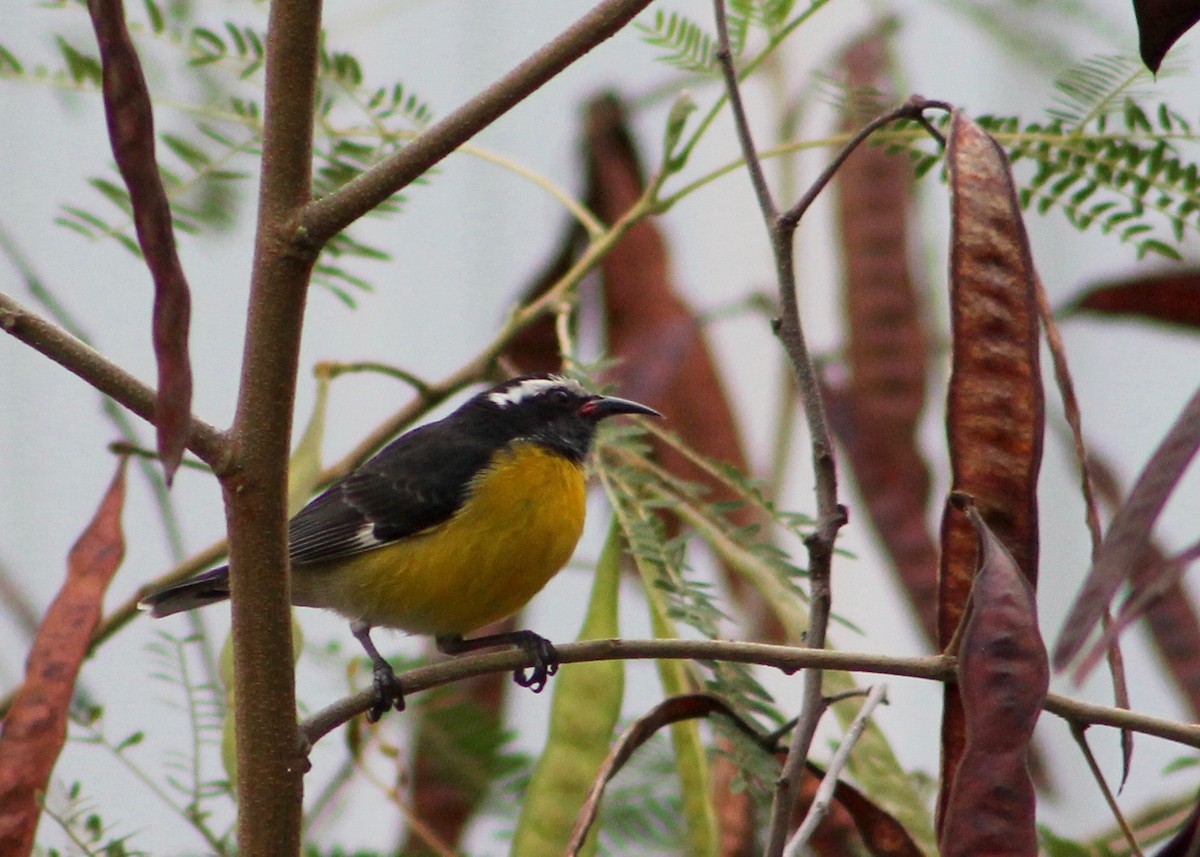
365	538
532	387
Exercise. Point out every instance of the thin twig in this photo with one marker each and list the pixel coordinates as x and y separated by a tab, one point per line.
333	368
133	450
329	215
914	108
789	659
786	658
824	796
1078	733
209	443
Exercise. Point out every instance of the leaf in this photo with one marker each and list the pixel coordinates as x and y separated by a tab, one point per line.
1096	88
1171	296
691	758
35	727
583	715
9	64
131	132
683	107
1160	24
686	43
1154	581
664	360
81	67
1128	535
995	401
1004	676
658	578
1168	609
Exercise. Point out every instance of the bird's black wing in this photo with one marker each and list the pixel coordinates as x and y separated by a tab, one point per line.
413	484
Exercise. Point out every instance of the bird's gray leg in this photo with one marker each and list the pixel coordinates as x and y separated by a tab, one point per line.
539	649
388	692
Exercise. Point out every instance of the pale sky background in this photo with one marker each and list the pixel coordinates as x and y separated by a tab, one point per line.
464	246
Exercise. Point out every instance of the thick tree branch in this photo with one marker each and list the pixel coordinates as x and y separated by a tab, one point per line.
270	769
324	218
46	337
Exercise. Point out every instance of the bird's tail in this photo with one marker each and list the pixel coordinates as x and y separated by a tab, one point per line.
206	588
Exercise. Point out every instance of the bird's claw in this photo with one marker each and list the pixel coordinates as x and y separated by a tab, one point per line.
545	663
388	693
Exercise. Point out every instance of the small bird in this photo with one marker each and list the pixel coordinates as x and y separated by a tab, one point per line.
452	526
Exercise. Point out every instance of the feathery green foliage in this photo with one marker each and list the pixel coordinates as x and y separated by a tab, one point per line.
1099	87
204	705
1103	159
686	44
642	812
86	829
207	165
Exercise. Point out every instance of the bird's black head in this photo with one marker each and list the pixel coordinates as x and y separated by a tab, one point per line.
551	410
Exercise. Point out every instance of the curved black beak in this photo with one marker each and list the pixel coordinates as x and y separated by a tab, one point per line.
601	407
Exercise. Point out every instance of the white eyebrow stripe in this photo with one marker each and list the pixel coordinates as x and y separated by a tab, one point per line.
532	387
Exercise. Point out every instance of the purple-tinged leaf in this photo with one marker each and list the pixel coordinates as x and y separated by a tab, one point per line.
1128	536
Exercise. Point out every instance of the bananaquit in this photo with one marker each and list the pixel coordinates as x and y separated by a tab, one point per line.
452	526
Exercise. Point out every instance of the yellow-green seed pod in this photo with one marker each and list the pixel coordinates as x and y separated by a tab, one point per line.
583	716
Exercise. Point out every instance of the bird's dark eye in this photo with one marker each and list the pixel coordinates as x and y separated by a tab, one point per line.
559	396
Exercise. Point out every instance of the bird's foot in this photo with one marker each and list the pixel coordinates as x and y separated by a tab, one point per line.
540	650
388	692
545	661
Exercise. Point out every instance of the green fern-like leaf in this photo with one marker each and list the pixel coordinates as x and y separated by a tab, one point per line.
387	103
642	811
859	103
687	45
207	46
775	13
1132	188
10	66
85	827
1137	181
640	487
1097	88
82	67
201	194
740	18
241	48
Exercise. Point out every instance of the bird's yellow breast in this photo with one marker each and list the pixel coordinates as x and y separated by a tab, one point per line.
518	527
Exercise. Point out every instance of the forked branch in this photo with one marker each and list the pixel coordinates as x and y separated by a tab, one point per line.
831	515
